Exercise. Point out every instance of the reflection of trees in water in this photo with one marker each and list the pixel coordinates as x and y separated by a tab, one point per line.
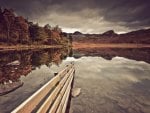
49	56
14	64
40	58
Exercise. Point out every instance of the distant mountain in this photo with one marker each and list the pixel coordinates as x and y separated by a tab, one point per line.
139	32
139	36
110	33
77	33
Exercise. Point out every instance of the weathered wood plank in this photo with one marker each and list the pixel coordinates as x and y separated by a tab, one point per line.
32	101
64	101
45	106
61	94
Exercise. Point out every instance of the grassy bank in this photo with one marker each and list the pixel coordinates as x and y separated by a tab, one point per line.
26	47
77	45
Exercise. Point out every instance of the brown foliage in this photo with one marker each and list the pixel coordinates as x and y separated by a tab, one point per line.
15	29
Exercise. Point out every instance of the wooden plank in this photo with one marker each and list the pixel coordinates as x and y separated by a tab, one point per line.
64	101
52	96
32	101
61	94
66	70
66	97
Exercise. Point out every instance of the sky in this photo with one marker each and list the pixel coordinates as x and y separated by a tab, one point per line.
87	16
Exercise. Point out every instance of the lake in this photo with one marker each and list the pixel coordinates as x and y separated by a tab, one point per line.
111	80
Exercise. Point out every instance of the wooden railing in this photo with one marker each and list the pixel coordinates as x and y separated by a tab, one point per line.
52	97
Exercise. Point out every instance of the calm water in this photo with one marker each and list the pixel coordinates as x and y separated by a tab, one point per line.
111	80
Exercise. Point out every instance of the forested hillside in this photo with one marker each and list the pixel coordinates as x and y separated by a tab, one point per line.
18	30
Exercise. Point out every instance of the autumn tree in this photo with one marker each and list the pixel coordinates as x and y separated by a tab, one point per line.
57	29
9	18
48	27
37	33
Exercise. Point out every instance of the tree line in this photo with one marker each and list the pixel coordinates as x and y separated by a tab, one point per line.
18	30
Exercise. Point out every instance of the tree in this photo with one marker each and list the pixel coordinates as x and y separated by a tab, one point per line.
70	39
57	29
38	33
48	27
9	18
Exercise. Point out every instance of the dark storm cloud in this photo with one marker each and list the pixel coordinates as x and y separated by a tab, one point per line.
85	15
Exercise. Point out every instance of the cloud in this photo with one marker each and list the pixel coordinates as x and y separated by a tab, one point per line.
94	16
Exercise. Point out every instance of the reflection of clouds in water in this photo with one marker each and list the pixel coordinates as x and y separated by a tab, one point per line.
130	78
70	59
131	64
119	85
118	69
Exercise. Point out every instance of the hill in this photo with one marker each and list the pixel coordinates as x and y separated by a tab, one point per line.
137	37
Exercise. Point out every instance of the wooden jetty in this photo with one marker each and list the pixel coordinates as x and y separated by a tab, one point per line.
53	97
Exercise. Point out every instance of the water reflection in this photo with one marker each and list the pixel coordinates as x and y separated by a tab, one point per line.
119	85
14	64
142	54
112	80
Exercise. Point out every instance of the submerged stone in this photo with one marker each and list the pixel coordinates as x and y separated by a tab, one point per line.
75	92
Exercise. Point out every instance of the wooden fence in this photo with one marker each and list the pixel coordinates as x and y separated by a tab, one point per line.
52	97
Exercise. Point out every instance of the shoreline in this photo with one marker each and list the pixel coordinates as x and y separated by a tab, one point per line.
75	45
27	47
78	45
